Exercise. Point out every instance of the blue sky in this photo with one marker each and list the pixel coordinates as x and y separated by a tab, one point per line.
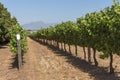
52	11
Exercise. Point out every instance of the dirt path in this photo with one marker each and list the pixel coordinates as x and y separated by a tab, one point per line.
42	64
7	68
47	63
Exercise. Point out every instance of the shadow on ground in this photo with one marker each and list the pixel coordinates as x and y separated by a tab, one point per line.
3	45
14	62
99	73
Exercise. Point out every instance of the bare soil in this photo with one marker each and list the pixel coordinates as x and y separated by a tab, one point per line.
45	62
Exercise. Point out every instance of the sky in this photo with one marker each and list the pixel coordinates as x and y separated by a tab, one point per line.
52	11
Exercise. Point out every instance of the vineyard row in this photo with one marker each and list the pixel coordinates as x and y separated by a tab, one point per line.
97	30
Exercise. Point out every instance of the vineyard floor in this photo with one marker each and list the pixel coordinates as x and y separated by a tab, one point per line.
44	62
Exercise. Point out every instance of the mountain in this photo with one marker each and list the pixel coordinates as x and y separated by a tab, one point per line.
37	25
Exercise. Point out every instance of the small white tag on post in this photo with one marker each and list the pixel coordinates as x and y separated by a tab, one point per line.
18	36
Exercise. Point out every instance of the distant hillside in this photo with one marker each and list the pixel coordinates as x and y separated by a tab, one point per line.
37	25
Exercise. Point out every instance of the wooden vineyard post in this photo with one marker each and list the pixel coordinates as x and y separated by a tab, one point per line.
19	52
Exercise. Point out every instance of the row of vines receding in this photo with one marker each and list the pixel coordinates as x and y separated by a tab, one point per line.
97	30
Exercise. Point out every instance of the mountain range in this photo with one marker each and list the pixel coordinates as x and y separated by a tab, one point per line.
37	25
